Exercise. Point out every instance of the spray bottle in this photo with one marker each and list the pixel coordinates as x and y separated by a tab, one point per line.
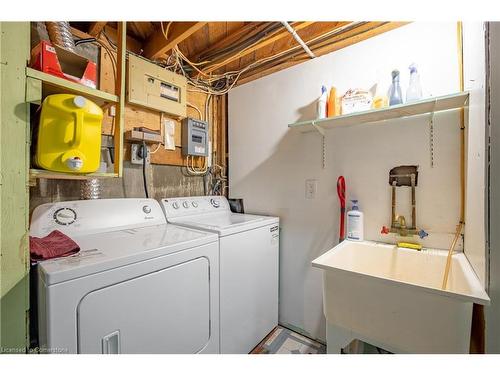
323	99
414	91
395	96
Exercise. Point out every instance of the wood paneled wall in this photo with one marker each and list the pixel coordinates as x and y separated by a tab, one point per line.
136	116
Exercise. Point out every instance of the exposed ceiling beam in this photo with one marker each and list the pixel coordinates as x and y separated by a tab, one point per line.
247	30
96	27
132	44
335	43
262	43
157	45
308	34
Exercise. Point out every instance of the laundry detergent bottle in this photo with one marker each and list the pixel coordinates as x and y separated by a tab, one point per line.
355	228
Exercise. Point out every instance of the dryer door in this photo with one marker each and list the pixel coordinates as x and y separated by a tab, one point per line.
167	311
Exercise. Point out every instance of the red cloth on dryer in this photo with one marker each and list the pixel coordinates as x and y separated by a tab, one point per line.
56	244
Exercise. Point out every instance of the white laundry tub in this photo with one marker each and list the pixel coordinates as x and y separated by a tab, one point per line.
391	297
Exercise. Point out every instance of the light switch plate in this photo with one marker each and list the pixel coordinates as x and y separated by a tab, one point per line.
311	189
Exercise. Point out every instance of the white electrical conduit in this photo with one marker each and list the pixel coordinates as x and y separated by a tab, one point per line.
298	39
192	169
196	108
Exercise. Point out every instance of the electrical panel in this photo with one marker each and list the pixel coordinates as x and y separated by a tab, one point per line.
151	86
194	137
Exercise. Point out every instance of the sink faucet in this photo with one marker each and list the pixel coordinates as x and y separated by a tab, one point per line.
399	227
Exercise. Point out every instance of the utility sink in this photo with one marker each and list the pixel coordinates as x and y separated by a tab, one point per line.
391	297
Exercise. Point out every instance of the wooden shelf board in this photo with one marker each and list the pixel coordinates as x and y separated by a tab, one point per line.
436	104
52	84
41	173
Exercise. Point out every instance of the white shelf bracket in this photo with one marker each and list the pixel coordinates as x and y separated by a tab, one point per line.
324	152
318	128
431	135
322	132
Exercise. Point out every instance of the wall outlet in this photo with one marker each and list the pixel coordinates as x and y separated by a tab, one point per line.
135	154
311	189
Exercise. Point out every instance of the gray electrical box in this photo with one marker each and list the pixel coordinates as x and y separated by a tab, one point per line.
194	137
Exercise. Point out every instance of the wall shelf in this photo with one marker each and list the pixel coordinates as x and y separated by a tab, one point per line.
430	105
54	85
42	173
40	84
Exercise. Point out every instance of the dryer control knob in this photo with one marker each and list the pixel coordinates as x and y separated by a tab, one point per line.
146	209
194	204
215	203
175	205
185	204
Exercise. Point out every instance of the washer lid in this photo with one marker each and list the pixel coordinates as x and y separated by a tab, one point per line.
104	251
225	223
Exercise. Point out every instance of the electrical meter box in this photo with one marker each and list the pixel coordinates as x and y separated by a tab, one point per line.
151	86
194	137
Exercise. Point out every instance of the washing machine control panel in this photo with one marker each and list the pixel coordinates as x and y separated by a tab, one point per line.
94	216
185	206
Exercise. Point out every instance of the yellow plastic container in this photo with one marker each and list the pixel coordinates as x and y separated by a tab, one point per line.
69	135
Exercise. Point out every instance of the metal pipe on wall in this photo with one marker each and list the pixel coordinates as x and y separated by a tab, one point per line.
462	157
90	189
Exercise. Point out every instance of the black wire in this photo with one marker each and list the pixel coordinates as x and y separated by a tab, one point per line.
144	157
86	40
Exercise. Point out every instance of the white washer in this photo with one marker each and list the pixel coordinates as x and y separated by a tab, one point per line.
249	261
138	285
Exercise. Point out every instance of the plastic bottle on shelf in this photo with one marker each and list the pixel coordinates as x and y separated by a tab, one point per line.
322	102
395	96
414	91
332	107
380	99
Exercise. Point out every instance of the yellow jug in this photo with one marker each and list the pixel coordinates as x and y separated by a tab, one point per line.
69	135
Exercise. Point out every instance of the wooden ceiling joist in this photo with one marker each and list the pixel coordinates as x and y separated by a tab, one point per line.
249	29
157	45
356	35
96	27
260	48
260	44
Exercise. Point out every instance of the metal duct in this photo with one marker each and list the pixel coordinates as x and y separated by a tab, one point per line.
60	34
90	189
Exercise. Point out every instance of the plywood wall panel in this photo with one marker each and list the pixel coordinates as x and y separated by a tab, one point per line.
136	116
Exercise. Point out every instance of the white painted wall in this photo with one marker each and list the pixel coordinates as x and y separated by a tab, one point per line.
493	311
474	82
269	163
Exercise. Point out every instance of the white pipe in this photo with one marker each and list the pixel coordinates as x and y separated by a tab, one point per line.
298	39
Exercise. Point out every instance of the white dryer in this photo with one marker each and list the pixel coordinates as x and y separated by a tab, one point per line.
249	263
138	285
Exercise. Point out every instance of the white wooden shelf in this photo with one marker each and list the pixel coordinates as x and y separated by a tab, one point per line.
430	105
55	85
42	173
